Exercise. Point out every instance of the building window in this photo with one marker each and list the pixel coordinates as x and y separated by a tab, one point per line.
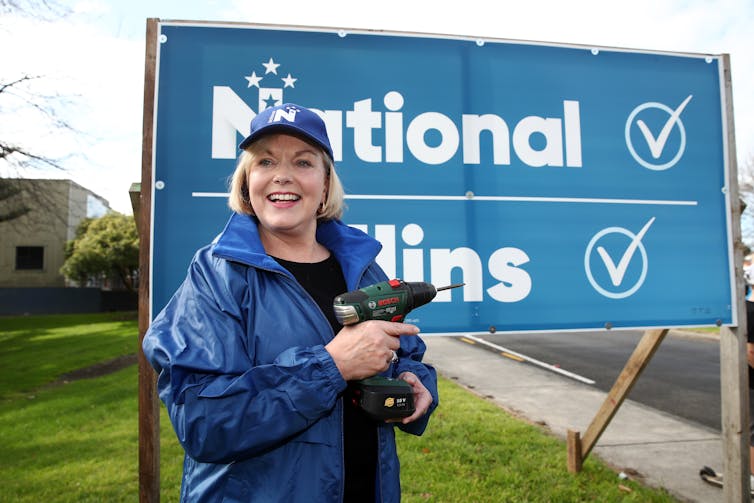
29	258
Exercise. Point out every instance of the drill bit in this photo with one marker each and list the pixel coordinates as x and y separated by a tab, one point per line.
450	286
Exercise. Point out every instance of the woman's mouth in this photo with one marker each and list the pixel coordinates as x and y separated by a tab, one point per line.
278	197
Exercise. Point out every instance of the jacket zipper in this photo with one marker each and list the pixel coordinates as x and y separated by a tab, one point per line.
378	483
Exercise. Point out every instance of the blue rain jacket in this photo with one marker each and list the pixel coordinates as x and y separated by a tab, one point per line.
254	397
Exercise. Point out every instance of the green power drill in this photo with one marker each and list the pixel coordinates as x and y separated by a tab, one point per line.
383	397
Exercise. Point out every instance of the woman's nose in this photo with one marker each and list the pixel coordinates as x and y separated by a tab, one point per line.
282	175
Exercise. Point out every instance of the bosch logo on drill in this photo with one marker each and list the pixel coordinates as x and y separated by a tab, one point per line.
389	301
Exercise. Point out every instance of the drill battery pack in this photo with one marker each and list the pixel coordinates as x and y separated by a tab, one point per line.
384	398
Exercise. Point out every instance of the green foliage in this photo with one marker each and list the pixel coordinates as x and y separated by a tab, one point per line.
104	246
78	441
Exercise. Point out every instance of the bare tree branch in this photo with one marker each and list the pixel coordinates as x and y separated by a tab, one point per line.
46	105
5	86
10	209
41	9
27	158
18	96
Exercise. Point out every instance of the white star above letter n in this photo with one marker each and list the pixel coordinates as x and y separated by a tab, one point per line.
253	80
289	80
271	67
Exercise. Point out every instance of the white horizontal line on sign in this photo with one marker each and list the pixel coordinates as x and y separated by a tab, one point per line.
209	194
529	199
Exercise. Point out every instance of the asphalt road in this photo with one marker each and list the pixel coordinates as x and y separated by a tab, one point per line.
683	377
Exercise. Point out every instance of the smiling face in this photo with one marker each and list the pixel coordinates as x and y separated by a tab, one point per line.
287	184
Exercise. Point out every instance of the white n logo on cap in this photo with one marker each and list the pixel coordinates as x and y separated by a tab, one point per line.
289	114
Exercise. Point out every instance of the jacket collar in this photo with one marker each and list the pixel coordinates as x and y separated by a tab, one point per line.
353	249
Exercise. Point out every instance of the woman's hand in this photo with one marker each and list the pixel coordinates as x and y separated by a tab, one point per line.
366	349
422	398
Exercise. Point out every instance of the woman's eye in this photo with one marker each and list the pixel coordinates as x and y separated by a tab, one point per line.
265	162
305	163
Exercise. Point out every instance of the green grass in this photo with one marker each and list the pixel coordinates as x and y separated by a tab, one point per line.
37	350
78	442
474	451
705	330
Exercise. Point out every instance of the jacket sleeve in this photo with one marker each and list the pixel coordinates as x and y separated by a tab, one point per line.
224	408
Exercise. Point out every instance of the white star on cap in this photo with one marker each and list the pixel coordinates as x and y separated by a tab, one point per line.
253	79
271	67
288	81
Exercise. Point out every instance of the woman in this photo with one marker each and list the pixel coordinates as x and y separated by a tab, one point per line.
253	367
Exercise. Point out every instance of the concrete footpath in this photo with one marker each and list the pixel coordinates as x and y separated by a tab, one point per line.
652	447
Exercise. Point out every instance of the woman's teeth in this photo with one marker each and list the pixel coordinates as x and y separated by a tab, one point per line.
283	197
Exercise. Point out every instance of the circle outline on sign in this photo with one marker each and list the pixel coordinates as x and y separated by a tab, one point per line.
588	269
630	145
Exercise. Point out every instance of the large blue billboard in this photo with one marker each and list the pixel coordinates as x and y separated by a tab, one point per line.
567	187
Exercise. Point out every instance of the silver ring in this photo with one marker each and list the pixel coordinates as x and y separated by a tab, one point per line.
394	358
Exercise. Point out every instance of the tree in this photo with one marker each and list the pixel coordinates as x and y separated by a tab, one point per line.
104	247
19	96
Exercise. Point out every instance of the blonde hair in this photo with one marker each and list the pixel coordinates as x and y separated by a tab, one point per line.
240	201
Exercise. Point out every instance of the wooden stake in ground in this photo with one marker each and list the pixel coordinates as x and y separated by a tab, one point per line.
579	449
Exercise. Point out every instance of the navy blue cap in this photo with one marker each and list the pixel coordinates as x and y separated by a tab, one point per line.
290	118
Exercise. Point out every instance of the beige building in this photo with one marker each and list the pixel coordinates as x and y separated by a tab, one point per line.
32	245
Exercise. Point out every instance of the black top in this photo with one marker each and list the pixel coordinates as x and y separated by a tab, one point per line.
324	281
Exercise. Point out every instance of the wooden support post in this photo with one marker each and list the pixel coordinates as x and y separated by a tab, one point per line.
149	411
735	413
636	364
734	370
575	459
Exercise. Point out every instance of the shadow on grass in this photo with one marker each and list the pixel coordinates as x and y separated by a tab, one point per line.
35	351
